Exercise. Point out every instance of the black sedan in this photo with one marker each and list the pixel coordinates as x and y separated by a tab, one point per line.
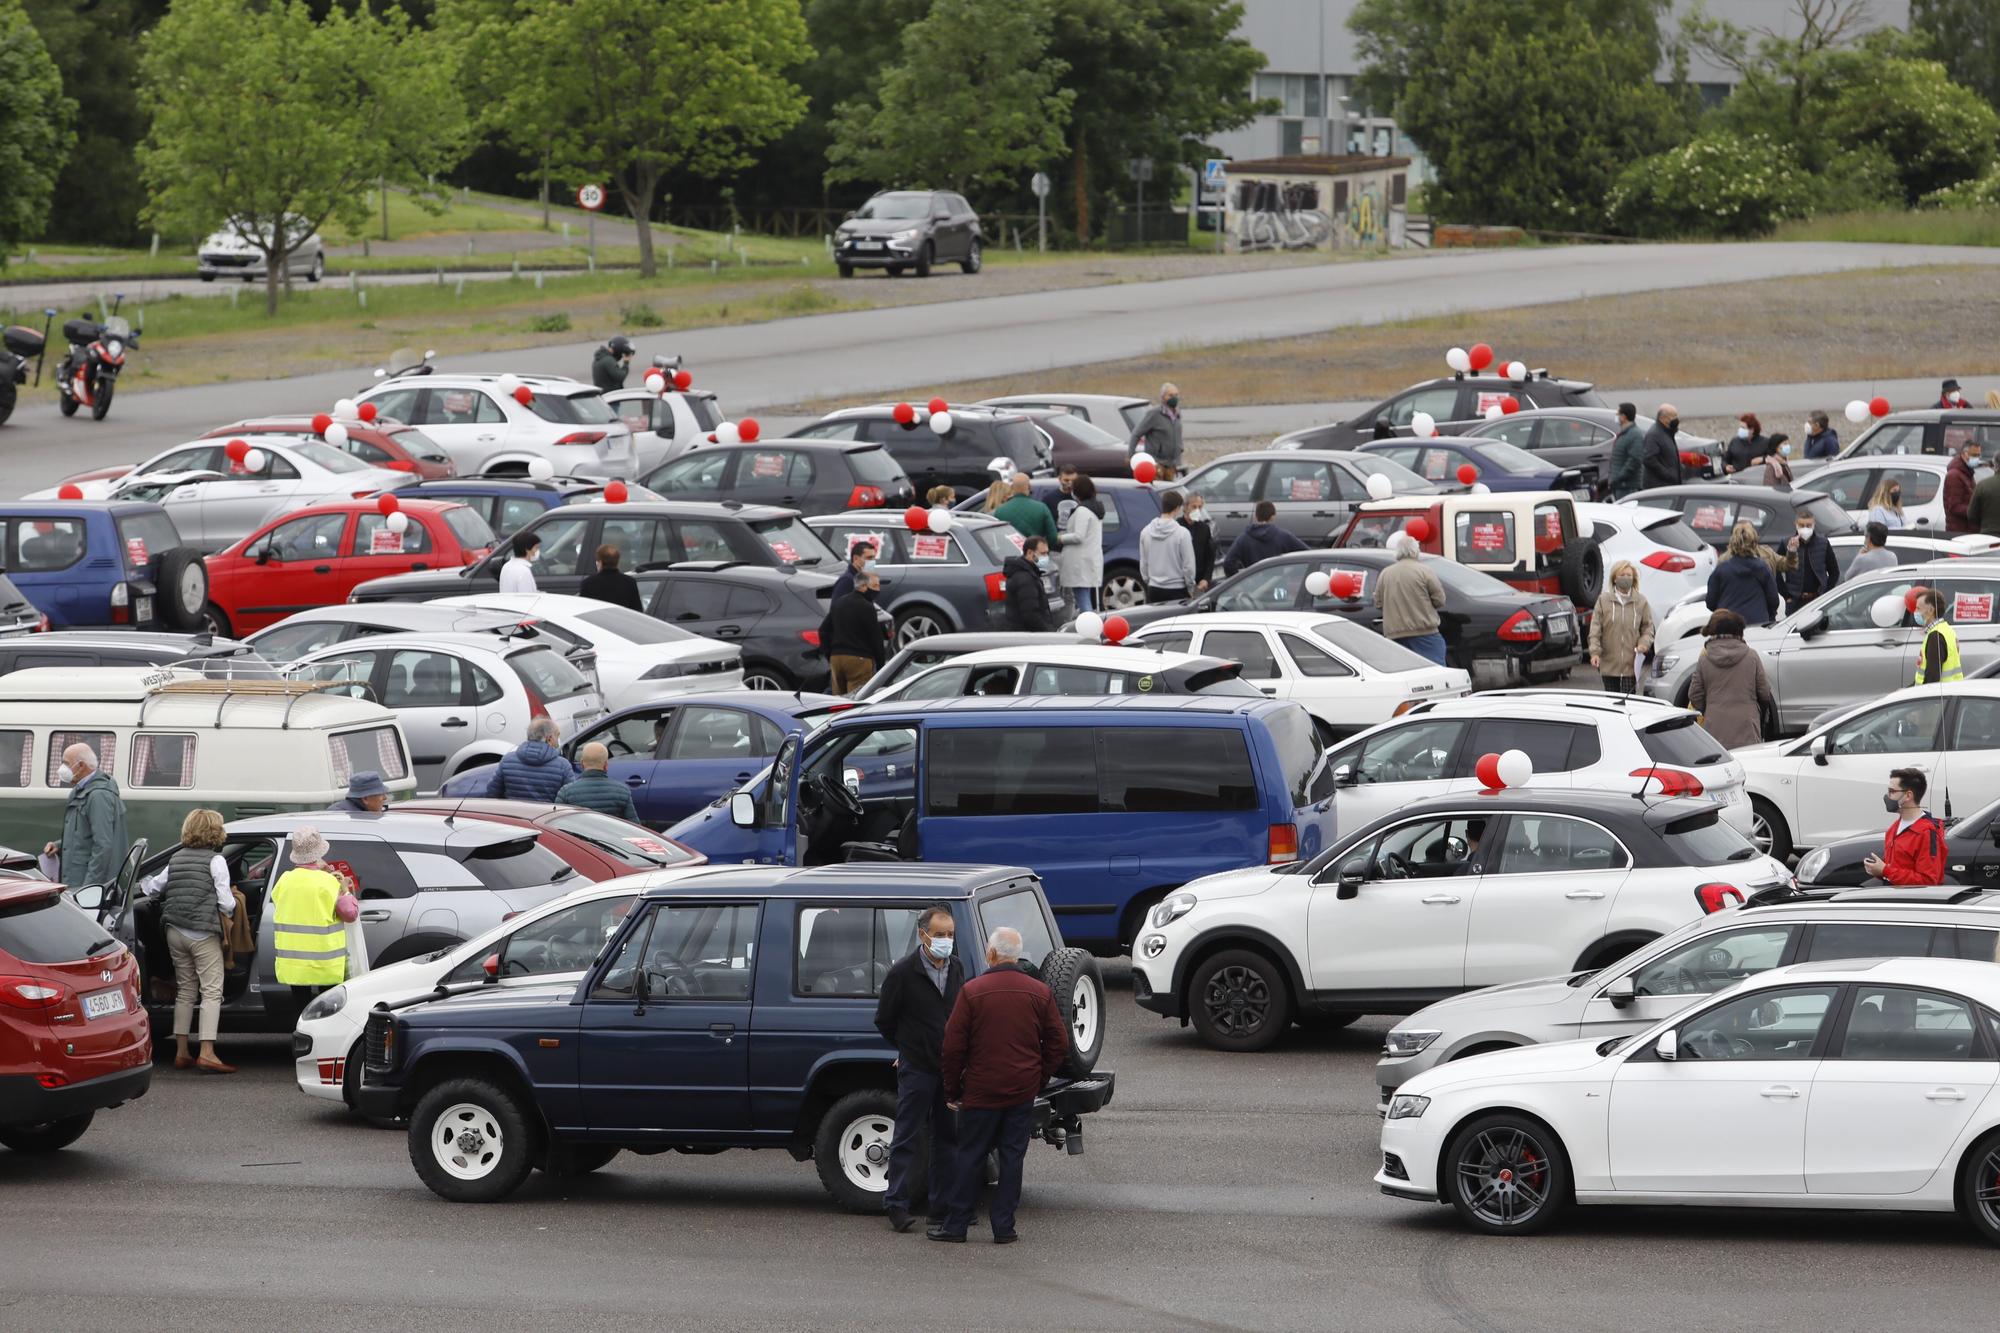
1456	403
1714	508
1582	437
773	615
1499	635
811	476
1971	854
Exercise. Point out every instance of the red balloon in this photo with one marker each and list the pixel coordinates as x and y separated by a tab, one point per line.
1487	770
235	450
938	405
1910	597
615	493
1510	405
904	414
1146	471
917	518
524	395
1481	356
1467	474
367	412
1345	586
682	379
69	491
387	503
747	430
1418	528
1878	406
1116	628
321	422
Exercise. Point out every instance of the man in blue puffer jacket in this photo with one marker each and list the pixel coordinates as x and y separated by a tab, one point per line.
535	771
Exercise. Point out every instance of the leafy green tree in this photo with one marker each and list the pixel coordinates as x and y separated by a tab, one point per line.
35	133
626	91
96	46
1965	36
1935	131
973	102
275	123
1718	184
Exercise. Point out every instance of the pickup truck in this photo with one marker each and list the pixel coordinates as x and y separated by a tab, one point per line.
732	1008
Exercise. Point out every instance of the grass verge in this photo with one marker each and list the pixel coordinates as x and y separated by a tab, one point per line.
1930	226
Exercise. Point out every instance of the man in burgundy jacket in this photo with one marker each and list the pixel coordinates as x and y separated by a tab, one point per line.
1004	1041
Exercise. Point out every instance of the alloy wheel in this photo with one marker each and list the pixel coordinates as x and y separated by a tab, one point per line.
1238	1001
1503	1176
1986	1194
917	625
1122	592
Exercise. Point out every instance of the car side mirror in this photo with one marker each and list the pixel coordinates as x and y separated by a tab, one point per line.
1349	884
743	810
1822	746
1622	992
1668	1047
90	898
490	965
1344	776
1813	625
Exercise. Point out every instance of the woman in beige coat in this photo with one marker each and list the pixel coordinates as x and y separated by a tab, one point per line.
1621	628
1729	688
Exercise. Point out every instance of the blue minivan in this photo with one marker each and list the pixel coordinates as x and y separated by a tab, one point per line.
88	564
1114	802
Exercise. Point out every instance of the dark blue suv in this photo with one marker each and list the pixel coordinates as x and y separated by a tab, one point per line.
734	1008
88	564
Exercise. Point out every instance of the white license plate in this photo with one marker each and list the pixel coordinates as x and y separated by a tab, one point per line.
1581	494
104	1002
868	245
143	610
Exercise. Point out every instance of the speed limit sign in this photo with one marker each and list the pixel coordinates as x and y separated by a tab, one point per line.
590	197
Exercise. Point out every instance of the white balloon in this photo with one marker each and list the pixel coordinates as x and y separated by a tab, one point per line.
336	435
509	383
254	460
1090	625
727	433
1002	468
1458	360
1857	411
1495	412
655	381
1481	488
344	408
942	518
1141	456
541	469
1516	768
398	521
1517	370
1317	583
941	422
1379	486
1423	425
1886	610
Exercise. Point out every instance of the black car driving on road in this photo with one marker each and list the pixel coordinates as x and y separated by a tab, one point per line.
1456	403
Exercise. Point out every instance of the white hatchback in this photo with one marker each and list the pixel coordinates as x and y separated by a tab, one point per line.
488	431
639	659
1672	562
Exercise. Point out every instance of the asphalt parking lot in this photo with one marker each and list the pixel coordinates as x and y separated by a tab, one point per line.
1218	1192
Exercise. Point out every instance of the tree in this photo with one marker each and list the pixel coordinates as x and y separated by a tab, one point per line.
973	102
626	91
35	133
1936	133
1785	70
1717	184
1965	36
271	123
96	46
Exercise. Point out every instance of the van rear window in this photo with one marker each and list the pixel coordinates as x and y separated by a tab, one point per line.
50	930
1168	769
379	748
1081	770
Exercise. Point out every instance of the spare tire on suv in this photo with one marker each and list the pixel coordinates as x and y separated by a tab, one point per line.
1582	574
180	582
1073	976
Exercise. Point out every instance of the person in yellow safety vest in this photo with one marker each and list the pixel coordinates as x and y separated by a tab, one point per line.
309	941
1939	659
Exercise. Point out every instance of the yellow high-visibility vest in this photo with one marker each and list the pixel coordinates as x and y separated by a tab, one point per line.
309	941
1953	668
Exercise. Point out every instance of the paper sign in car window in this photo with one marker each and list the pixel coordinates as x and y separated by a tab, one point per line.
930	547
1303	488
874	539
1492	399
1710	518
1972	607
1488	537
385	541
786	552
767	465
1435	462
135	550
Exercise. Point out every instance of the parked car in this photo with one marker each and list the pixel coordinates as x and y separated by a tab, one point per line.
1853	486
681	419
811	476
1348	677
1434	897
1672	562
920	655
964	459
460	698
381	443
1583	436
202	654
1456	403
1111	413
909	229
229	252
1092	670
1713	509
487	430
509	504
764	949
1115	803
773	615
637	658
1929	431
1531	540
934	582
1128	507
600	846
315	556
85	563
1971	855
308	631
18	616
1316	491
1076	442
1500	465
1818	1068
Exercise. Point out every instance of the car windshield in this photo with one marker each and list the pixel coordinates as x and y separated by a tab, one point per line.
1828	514
50	930
1510	458
634	844
998	541
887	206
1400	477
792	541
634	627
327	457
584	408
1086	433
1021	441
875	467
701	406
548	673
1683	743
146	534
470	529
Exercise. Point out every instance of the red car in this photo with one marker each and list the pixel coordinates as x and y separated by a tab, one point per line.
317	555
601	847
74	1039
378	443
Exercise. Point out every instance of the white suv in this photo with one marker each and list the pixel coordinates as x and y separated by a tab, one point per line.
487	431
1585	741
1448	894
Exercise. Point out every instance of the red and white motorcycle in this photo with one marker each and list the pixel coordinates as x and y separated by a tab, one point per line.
89	370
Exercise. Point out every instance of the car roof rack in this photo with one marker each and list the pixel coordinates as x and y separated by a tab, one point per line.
1931	894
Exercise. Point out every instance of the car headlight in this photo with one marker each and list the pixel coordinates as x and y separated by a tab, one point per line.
1173	909
1407	1041
1810	868
909	235
1405	1107
1668	661
326	1005
664	671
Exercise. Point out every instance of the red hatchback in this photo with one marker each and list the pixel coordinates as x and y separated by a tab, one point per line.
317	555
378	443
74	1039
601	847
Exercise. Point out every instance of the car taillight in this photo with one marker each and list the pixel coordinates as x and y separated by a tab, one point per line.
1714	897
121	603
1284	843
1669	562
582	437
362	495
866	497
811	636
996	587
51	1080
1521	627
400	465
29	993
536	708
1673	781
42	625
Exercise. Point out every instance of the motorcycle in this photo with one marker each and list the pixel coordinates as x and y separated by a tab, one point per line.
17	344
89	370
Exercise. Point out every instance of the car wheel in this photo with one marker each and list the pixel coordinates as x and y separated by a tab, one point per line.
846	270
1239	1001
216	621
472	1141
1506	1175
1768	829
574	1159
207	277
1122	590
763	676
851	1149
1582	573
47	1136
350	1075
1073	975
924	257
182	580
1979	1188
914	625
318	269
973	259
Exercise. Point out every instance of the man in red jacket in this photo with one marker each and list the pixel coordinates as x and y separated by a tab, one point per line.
1959	480
1004	1041
1913	848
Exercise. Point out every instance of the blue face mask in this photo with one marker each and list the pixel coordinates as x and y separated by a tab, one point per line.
941	947
1041	562
868	566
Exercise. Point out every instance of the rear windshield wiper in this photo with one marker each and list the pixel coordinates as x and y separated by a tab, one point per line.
106	943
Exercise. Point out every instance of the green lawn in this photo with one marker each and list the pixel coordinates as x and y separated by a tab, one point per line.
1930	226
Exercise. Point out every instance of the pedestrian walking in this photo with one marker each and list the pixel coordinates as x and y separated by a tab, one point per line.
1874	552
1411	595
851	636
594	788
1004	1041
1950	395
918	994
1821	439
612	584
1166	555
1743	580
1080	562
1729	688
1749	446
1960	476
1027	596
1621	630
1886	505
1913	846
1808	565
1159	433
1938	662
1260	541
518	574
196	898
861	559
1627	452
308	938
1194	517
367	794
94	841
1660	459
611	363
1027	515
534	770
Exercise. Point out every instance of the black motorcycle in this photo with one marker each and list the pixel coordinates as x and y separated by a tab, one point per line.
89	370
17	344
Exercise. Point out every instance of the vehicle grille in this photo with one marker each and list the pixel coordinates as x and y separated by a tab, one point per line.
229	261
375	1039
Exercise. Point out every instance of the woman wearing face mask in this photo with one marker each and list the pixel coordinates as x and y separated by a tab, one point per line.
1749	446
1081	563
1778	463
1886	507
1729	688
1621	630
1195	519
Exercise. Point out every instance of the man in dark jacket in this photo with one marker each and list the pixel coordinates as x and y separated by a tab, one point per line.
1958	483
1809	566
1983	511
1822	440
595	789
1626	453
366	794
1059	499
1005	1040
851	637
1260	541
1159	433
612	584
917	998
1660	458
860	560
535	771
608	366
1027	595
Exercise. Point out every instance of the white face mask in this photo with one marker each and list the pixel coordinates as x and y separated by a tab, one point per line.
65	776
1742	432
1807	429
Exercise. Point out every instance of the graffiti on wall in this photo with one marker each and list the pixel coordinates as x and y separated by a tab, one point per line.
1361	222
1270	216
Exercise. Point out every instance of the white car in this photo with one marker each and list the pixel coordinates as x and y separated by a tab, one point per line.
1112	413
1862	1084
488	431
1672	562
679	419
1576	740
1441	896
1852	482
227	252
319	627
1348	676
215	500
639	659
1080	669
1830	782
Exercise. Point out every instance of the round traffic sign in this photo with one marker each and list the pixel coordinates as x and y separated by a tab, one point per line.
590	197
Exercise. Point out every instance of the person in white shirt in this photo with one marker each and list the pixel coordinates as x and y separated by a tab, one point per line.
518	574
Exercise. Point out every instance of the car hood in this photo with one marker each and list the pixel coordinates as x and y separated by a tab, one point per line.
879	227
1235	883
1541	990
495	1006
1520	1063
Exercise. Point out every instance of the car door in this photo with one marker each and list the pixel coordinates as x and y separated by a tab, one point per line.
1848	657
1392	914
1850	487
387	890
773	476
700	606
243	498
1844	794
663	1043
376	550
1545	899
1671	981
709	751
1307	494
429	691
1438	401
1394	766
296	568
637	745
1251	647
1967	774
568	541
919	451
466	423
701	475
1896	1090
1921	505
1727	1115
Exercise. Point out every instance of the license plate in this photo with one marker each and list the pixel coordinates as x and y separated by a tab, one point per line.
868	245
1581	493
104	1002
143	610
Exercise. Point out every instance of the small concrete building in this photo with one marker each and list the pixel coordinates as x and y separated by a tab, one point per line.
1316	202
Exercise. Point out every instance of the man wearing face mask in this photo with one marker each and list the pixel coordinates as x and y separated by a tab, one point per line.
1027	591
851	637
1821	439
1159	433
1913	848
918	993
1960	476
1660	457
1938	662
860	560
1950	395
1809	567
94	841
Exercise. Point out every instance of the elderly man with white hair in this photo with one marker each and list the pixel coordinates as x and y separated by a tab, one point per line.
1003	1043
94	841
1411	596
535	770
